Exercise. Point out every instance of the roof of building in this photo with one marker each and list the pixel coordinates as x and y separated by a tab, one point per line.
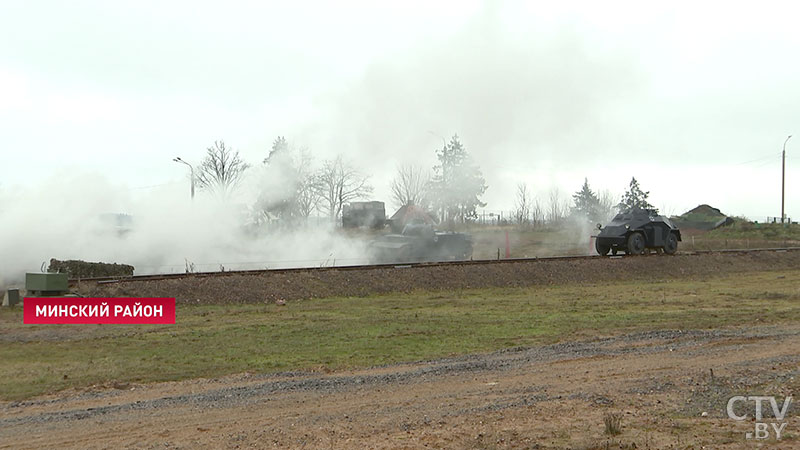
410	212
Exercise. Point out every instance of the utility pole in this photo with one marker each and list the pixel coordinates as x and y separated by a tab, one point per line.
783	178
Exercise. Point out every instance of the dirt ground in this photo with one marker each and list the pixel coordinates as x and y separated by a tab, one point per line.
669	388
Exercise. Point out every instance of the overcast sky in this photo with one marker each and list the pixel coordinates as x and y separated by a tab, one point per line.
693	98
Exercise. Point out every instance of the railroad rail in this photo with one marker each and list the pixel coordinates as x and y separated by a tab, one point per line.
167	276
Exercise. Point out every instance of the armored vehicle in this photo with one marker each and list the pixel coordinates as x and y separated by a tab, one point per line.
420	243
634	231
364	214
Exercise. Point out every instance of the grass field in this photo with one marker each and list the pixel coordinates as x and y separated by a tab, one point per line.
757	231
575	241
336	333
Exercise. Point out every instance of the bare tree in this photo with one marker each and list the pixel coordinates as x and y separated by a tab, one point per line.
309	194
606	206
555	208
340	183
411	185
221	170
522	206
537	213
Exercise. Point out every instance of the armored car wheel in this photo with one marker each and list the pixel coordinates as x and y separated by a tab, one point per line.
601	249
671	246
635	244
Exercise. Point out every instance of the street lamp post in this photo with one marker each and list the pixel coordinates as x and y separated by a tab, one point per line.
783	177
178	159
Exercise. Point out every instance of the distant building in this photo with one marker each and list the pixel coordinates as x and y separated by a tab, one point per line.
410	213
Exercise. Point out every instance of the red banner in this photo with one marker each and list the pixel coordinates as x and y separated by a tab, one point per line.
86	310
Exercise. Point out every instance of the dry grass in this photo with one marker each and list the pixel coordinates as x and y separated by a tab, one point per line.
336	333
613	424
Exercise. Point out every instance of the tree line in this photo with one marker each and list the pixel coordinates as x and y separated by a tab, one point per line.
452	191
586	205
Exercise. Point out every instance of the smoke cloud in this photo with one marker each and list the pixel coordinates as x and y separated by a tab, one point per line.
75	216
696	106
523	101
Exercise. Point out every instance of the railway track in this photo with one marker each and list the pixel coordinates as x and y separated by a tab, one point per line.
367	267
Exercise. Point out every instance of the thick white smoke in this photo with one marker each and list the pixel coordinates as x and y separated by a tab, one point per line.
73	216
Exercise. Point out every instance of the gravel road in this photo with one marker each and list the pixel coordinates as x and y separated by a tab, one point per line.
654	379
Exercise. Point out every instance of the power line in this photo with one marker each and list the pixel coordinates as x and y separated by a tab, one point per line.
153	186
764	164
774	155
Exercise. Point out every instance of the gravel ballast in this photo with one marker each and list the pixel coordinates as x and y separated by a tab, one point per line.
332	282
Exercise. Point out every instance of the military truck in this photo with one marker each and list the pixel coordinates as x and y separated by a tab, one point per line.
636	231
364	214
419	242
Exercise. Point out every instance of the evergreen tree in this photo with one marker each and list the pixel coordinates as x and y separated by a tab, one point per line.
289	189
586	203
279	147
457	183
635	198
